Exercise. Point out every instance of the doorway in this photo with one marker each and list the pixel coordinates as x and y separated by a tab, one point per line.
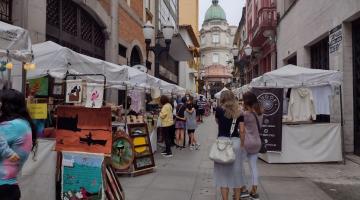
356	83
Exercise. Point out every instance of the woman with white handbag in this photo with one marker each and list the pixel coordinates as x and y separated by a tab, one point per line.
225	152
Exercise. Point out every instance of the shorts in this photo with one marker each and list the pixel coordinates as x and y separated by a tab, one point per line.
180	125
201	111
191	131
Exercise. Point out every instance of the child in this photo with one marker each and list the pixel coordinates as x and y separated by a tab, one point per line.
190	116
6	152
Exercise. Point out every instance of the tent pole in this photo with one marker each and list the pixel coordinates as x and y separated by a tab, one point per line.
342	127
23	79
126	107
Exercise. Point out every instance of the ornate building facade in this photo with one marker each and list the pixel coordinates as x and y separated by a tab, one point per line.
216	42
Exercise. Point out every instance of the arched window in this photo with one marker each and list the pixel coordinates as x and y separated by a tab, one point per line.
135	58
72	26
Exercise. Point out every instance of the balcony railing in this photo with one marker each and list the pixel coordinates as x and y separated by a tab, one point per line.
266	19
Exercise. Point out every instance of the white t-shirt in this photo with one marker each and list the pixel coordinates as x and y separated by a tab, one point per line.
322	99
301	105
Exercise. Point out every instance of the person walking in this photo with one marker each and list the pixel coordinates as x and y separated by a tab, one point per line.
191	124
250	137
229	175
18	130
166	115
201	103
180	123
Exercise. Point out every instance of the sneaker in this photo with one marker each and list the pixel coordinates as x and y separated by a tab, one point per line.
192	147
168	155
244	194
197	146
163	153
254	196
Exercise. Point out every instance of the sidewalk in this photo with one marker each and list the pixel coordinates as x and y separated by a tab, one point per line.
188	176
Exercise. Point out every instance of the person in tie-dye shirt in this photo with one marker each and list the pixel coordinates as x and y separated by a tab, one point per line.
18	131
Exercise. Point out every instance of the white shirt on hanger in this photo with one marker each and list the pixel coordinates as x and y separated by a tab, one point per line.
301	105
321	96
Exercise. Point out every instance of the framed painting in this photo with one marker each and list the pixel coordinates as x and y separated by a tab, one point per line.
122	152
144	162
137	130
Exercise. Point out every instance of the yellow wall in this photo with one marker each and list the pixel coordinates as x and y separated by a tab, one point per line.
189	14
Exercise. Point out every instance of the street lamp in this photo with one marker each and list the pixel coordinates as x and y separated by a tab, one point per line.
149	33
248	50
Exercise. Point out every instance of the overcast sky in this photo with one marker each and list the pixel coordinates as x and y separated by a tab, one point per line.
233	9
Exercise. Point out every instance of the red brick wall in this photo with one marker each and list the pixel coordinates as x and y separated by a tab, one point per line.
106	4
129	29
137	6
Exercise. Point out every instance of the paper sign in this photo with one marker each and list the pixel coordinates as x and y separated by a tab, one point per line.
38	111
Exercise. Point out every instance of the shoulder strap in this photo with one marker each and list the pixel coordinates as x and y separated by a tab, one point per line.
232	129
257	121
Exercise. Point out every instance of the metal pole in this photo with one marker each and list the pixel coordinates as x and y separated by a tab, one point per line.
342	128
126	107
23	79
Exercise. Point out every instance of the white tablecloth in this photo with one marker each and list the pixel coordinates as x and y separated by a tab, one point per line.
308	143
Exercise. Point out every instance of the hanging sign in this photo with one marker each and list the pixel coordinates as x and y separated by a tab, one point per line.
38	111
335	38
271	100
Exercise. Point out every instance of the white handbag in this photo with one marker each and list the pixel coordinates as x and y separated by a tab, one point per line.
222	150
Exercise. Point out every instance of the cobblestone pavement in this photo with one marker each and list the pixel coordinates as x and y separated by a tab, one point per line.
188	176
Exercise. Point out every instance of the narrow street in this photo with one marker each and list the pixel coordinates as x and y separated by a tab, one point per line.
188	176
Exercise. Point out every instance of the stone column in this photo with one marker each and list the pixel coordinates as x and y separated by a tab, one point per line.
111	45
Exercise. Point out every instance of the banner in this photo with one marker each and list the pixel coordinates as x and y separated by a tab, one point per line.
271	100
82	176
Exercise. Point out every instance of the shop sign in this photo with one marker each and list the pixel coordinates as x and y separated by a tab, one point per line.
335	38
271	100
38	111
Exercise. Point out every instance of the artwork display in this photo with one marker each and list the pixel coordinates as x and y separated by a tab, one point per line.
122	154
58	90
39	86
81	176
113	188
144	162
94	95
80	129
144	158
74	91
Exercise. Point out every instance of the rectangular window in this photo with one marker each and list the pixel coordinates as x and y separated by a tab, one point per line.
216	38
122	51
320	54
215	58
5	10
203	40
227	40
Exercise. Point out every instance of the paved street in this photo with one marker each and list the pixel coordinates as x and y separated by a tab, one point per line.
188	176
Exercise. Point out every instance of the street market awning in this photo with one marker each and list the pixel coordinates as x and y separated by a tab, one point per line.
15	43
291	76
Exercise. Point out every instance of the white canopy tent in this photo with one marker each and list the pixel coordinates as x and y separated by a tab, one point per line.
15	43
56	61
291	76
217	95
315	142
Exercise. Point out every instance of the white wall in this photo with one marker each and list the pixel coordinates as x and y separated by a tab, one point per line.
306	23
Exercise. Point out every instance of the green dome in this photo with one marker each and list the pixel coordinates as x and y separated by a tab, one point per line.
215	12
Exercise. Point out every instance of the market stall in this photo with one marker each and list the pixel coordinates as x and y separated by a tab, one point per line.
68	76
15	50
303	114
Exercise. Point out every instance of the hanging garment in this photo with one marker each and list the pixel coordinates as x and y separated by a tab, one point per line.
136	100
301	105
322	99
